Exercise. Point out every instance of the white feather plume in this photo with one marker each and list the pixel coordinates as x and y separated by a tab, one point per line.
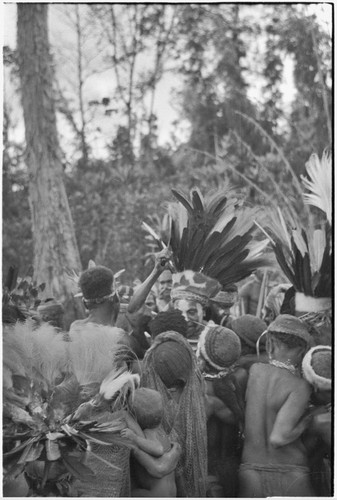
119	382
93	351
319	183
30	351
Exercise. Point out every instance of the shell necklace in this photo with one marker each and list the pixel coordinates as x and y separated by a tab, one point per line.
287	366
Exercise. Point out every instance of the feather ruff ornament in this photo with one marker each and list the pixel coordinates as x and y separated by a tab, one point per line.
93	350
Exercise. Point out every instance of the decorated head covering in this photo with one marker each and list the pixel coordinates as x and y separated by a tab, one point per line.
96	284
304	253
285	323
172	363
186	421
214	235
249	328
227	296
147	405
190	285
168	320
317	366
219	346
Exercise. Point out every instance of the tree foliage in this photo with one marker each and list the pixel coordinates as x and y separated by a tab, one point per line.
117	171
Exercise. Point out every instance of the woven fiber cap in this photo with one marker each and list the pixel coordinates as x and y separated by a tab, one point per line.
317	366
173	363
147	406
285	323
219	346
96	282
249	328
191	285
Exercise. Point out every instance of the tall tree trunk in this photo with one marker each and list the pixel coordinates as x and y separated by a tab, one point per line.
55	244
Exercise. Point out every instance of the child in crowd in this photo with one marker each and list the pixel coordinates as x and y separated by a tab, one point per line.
147	407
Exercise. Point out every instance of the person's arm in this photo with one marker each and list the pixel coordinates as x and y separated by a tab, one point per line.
154	448
214	406
132	424
292	419
139	297
162	466
321	424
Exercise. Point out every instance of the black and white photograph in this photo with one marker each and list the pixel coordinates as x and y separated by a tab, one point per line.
167	248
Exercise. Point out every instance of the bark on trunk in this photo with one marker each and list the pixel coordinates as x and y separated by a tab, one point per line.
55	244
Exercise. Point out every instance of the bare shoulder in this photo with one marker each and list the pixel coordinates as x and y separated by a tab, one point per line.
258	369
300	386
77	324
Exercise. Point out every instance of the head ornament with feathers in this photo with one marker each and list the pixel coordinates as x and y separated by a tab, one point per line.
214	235
304	252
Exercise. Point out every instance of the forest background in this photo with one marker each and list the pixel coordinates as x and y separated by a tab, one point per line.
114	74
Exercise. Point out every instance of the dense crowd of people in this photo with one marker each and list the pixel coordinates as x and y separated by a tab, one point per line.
213	416
183	385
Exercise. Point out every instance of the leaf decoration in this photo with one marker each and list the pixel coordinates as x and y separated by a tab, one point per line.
52	450
32	452
20	447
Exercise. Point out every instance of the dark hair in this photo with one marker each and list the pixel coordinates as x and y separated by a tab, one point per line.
96	282
168	320
289	340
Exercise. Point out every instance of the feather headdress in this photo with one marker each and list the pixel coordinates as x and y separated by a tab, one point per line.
304	255
215	235
320	183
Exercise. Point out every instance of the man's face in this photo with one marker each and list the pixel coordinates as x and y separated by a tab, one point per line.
193	313
220	310
165	285
268	315
150	302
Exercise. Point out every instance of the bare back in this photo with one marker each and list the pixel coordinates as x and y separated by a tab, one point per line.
276	400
